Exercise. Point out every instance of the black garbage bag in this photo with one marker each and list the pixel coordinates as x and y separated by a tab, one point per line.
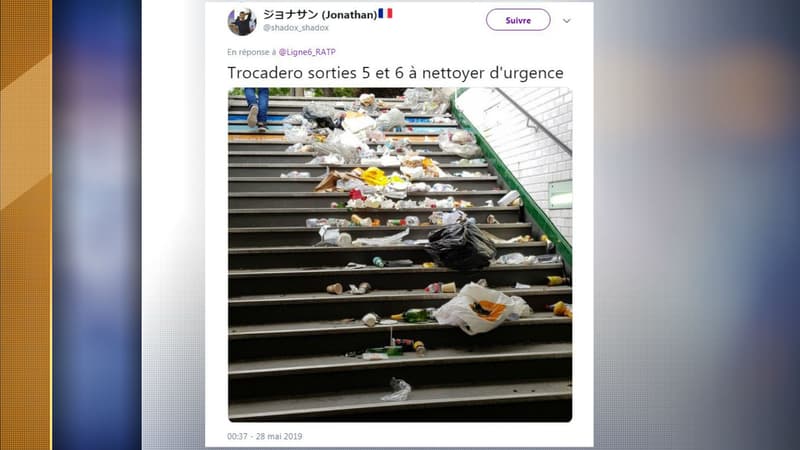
460	246
324	114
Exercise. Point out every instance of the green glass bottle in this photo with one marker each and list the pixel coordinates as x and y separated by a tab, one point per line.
415	315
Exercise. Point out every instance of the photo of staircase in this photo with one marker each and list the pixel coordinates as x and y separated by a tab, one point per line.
293	346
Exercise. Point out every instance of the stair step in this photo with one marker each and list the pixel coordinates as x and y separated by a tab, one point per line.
373	248
323	271
310	256
294	280
280	145
282	217
275	236
474	397
249	200
333	327
277	184
280	377
380	296
281	156
405	125
316	170
338	363
258	341
250	310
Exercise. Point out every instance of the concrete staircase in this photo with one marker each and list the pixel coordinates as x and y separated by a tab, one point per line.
288	337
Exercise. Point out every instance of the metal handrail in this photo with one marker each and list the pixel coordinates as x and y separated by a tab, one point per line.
538	124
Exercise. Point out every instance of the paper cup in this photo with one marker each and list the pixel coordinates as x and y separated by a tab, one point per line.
335	288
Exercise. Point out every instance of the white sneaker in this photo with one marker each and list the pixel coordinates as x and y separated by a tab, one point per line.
252	116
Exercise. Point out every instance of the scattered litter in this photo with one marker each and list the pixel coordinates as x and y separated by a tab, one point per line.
380	262
412	221
296	135
468	174
296	174
366	99
344	240
415	315
442	120
339	223
323	113
555	280
439	187
508	198
329	235
522	286
547	259
370	319
447	288
460	142
362	288
360	221
511	259
471	162
335	288
561	309
410	344
460	246
419	187
394	239
375	136
374	176
358	123
353	265
389	120
491	219
332	159
477	309
299	148
374	356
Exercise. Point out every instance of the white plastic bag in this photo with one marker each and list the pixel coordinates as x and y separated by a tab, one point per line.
358	124
400	391
477	309
296	135
389	120
394	239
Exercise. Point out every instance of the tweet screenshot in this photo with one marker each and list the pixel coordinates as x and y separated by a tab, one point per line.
398	224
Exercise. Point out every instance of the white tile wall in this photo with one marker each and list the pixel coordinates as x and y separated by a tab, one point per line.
532	157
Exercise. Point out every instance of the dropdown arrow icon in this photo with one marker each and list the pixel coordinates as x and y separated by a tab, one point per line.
567	20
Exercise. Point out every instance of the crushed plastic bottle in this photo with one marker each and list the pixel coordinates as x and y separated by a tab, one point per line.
511	258
296	174
412	220
400	391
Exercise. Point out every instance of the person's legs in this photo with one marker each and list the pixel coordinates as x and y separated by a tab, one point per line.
263	105
252	106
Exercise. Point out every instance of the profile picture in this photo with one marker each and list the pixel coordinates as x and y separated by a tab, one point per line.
241	21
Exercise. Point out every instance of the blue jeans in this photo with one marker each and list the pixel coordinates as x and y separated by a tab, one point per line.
263	101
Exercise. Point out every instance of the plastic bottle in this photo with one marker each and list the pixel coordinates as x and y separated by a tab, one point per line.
412	221
378	261
396	222
555	280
